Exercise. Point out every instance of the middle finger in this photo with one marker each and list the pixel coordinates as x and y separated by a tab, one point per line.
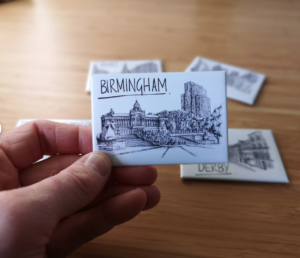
137	175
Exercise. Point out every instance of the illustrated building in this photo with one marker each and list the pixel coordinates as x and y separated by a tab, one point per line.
96	70
149	67
195	101
253	152
128	123
194	104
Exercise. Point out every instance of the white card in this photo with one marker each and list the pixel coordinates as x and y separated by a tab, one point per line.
253	156
242	85
129	66
160	118
64	121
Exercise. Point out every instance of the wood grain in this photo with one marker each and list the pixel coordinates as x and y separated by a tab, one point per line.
45	50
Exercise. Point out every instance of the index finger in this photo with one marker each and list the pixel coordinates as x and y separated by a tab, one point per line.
28	143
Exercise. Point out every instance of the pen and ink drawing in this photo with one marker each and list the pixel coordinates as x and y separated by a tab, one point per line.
234	79
149	67
200	66
192	126
253	152
96	70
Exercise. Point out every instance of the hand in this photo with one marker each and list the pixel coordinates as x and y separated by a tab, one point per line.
51	208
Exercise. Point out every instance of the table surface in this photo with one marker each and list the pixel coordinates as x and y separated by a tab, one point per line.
45	50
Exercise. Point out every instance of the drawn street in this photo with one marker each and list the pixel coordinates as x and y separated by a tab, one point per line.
159	151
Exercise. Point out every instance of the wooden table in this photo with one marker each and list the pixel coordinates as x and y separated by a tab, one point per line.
45	50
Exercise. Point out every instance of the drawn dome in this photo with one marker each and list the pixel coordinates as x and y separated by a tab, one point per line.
136	106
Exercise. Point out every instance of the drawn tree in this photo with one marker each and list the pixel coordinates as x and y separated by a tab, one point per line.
194	125
201	124
178	119
204	136
212	124
215	131
171	126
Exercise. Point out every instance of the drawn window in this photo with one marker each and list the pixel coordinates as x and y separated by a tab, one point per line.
138	121
255	155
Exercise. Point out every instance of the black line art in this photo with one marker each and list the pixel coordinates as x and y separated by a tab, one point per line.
193	154
149	67
234	79
213	174
213	169
120	96
253	152
200	66
194	126
96	70
165	152
152	148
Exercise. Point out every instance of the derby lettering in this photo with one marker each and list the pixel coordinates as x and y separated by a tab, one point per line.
213	168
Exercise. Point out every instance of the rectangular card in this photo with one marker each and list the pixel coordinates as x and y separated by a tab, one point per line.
160	118
253	156
129	66
64	121
242	85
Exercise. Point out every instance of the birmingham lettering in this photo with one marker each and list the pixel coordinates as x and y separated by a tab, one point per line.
140	86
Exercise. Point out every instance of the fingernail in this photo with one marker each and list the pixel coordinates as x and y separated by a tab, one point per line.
98	163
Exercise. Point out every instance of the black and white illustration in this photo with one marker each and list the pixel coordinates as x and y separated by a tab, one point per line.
193	125
130	66
252	153
186	121
242	85
253	156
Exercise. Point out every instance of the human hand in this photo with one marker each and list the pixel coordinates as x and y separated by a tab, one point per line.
51	208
